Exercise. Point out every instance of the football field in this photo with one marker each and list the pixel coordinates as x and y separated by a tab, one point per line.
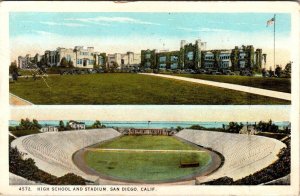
147	159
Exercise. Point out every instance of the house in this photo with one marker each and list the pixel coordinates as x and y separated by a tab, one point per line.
76	125
49	129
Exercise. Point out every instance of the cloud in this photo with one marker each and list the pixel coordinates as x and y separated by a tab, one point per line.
63	24
107	20
203	29
45	33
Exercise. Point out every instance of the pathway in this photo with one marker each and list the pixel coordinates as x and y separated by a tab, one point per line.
15	100
247	89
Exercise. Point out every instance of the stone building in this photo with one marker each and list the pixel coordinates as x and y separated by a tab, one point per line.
124	61
188	57
195	57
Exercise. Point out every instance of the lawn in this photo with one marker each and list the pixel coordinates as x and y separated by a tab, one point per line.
276	84
146	166
124	88
147	142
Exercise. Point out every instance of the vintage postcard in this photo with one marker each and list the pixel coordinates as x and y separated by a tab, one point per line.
150	98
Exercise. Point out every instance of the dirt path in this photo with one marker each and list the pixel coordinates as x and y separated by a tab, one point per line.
15	100
247	89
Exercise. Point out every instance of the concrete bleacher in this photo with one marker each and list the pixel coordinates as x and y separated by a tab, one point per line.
244	154
53	151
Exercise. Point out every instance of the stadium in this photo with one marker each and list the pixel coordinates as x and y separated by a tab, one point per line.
114	156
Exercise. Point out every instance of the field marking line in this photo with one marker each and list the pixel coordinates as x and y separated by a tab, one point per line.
139	150
247	89
18	100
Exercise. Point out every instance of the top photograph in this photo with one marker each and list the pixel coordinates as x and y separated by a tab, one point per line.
149	58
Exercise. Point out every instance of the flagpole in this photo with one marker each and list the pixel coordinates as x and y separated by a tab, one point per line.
274	40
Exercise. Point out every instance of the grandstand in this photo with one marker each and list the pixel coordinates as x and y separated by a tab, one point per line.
244	154
53	151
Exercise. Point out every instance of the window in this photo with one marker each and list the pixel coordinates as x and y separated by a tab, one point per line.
209	57
100	60
242	64
162	59
162	66
242	55
68	58
209	64
224	64
148	56
147	64
91	62
174	65
190	56
174	58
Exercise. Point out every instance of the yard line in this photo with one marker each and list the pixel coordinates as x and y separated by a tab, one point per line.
247	89
139	150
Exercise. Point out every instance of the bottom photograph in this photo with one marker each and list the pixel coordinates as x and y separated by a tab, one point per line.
68	152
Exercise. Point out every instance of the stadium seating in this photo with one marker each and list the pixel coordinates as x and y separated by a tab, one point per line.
244	154
53	151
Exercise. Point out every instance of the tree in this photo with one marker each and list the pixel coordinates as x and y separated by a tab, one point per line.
271	72
36	124
278	71
71	64
264	72
234	127
267	126
13	70
61	125
13	67
288	69
64	62
97	124
114	66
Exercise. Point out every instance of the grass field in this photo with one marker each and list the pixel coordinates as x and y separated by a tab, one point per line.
276	84
129	89
146	166
147	142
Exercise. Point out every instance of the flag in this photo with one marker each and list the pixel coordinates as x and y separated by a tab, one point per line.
271	21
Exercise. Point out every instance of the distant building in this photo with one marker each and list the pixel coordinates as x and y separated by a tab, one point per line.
248	129
195	56
22	62
78	57
133	131
188	57
76	125
124	61
49	129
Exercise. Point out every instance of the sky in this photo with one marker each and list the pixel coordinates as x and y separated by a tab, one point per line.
111	32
